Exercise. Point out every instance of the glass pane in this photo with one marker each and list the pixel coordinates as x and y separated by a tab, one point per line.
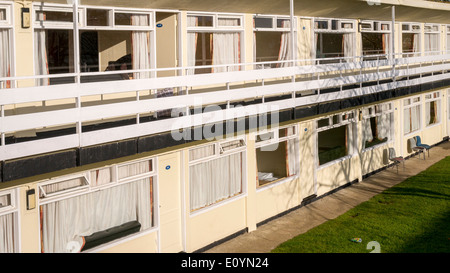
272	163
97	17
54	16
405	27
283	23
323	122
101	177
263	23
2	14
129	19
201	152
134	169
229	22
5	200
62	186
321	24
290	131
366	26
336	119
200	21
231	145
265	136
334	24
332	144
347	25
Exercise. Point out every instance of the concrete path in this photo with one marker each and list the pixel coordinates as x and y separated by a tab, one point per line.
279	230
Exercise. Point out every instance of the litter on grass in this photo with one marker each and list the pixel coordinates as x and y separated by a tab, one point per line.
356	240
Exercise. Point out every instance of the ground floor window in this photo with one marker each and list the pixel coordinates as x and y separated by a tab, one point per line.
74	210
5	57
377	125
335	137
432	108
8	241
412	114
277	155
216	173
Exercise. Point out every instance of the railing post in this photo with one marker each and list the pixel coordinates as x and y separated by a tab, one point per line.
2	116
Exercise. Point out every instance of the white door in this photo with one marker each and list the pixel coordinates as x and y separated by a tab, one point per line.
170	203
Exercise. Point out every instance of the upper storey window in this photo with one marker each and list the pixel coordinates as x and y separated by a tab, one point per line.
334	38
5	44
214	42
431	39
448	40
272	40
411	38
375	38
110	39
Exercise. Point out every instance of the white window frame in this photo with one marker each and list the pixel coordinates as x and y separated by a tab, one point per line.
8	21
373	113
372	24
410	104
439	105
64	193
274	140
275	19
435	32
115	182
55	8
12	208
217	154
276	136
339	29
411	30
215	25
351	121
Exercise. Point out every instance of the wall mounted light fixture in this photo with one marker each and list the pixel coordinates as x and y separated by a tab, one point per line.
31	199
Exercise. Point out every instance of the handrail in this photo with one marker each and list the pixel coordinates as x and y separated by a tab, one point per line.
364	71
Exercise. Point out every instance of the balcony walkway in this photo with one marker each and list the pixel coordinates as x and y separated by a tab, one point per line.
275	232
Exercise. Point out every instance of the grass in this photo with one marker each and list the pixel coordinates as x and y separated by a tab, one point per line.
411	217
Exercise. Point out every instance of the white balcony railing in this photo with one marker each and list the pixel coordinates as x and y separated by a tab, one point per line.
304	83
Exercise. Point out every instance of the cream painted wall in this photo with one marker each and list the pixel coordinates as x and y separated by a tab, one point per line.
29	222
215	223
304	38
251	199
307	159
113	45
166	43
277	198
341	172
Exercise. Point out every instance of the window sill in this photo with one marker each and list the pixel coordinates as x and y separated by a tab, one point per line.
429	126
339	160
276	183
410	134
216	205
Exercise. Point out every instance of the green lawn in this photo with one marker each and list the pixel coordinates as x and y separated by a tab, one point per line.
412	217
